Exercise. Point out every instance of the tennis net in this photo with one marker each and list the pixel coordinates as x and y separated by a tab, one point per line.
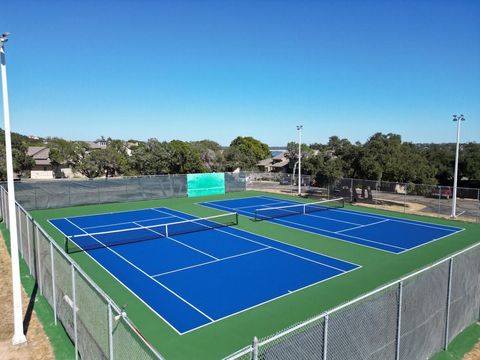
300	209
91	241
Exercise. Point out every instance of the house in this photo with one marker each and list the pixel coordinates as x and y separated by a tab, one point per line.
279	163
43	167
98	144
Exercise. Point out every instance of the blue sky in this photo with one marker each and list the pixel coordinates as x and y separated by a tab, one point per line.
218	69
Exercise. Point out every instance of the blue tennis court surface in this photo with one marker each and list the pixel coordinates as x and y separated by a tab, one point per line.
377	231
194	279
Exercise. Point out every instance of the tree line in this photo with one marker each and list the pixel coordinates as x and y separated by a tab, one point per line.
382	157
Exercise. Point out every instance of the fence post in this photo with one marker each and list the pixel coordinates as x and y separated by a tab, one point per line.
325	337
54	293
39	266
405	199
1	203
7	213
399	319
351	190
478	203
449	292
255	348
439	199
28	222
110	331
19	222
74	300
69	193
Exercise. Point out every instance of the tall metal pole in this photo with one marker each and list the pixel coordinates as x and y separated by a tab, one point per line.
299	129
458	119
18	335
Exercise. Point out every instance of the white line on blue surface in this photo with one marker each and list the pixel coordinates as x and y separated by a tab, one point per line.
144	273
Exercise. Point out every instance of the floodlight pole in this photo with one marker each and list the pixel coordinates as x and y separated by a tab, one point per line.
458	119
299	129
18	335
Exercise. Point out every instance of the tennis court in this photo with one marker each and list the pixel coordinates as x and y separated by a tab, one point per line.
194	271
328	218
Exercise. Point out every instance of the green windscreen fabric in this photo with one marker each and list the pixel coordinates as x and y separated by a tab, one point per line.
205	184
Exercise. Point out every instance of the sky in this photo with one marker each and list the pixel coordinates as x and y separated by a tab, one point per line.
194	70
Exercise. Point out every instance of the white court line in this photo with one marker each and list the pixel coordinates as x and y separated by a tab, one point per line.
171	239
127	222
121	282
211	262
317	216
393	218
452	230
330	237
143	272
104	213
240	311
252	206
333	232
406	221
275	248
362	226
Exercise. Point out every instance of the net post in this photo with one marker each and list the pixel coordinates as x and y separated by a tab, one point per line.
399	320
166	231
236	218
447	311
304	209
54	295
66	244
74	309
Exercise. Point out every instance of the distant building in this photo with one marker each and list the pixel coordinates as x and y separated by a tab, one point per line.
278	163
97	144
43	167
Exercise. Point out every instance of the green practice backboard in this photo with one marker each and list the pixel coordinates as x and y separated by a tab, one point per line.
205	184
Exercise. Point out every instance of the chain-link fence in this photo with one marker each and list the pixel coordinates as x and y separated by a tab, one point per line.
97	326
47	194
412	318
430	200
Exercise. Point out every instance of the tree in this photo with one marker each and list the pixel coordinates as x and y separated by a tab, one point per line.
66	153
245	153
21	161
151	158
469	165
210	153
184	159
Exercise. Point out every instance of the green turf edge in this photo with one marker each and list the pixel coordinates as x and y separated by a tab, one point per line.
463	343
61	344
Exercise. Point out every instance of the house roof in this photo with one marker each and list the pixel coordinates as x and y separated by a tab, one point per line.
281	163
265	162
38	152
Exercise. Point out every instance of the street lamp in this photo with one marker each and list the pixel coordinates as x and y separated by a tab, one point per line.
458	119
18	335
299	129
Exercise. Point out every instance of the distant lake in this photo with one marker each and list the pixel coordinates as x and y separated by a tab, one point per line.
276	152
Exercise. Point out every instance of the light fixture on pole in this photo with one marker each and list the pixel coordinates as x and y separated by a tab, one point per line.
299	129
18	335
458	119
